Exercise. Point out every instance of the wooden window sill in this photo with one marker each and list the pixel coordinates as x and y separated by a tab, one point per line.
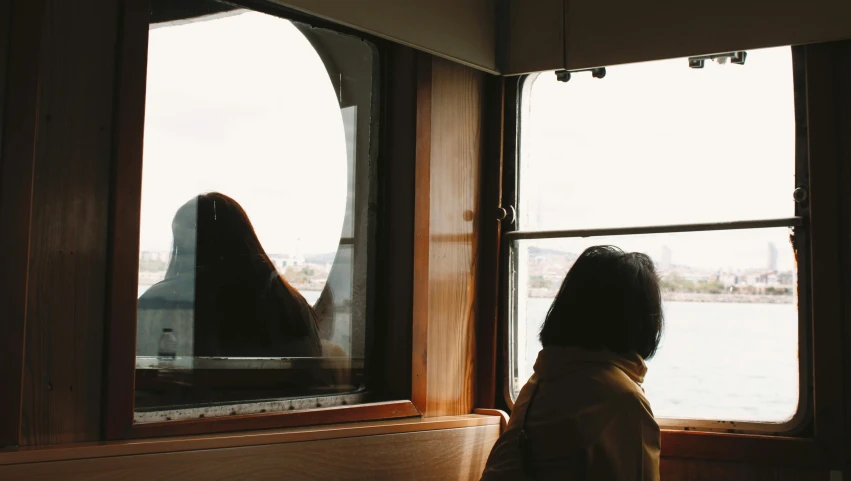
746	448
240	439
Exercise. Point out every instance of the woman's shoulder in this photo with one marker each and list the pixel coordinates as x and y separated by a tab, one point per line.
618	381
598	382
178	288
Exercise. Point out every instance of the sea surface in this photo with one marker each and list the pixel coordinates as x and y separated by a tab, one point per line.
725	361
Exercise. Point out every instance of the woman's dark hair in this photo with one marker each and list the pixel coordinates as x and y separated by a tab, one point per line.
243	306
610	300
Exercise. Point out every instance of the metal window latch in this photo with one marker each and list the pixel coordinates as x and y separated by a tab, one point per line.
564	75
503	214
800	195
737	58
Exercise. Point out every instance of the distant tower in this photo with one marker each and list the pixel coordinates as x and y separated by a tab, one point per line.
772	257
665	262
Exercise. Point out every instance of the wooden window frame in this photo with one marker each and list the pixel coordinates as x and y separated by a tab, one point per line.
125	205
820	442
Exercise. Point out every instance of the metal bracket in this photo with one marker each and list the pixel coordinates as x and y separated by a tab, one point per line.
737	58
564	75
503	214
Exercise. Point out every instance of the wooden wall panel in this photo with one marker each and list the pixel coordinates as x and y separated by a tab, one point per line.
463	31
65	304
823	91
673	469
21	21
449	158
125	205
456	454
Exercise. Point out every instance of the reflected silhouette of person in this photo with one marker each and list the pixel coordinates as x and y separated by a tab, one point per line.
222	287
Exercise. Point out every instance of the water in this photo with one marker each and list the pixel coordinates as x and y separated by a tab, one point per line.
725	361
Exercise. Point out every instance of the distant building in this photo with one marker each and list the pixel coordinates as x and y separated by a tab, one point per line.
772	257
284	261
665	261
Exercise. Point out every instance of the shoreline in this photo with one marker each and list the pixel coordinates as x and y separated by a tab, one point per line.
700	297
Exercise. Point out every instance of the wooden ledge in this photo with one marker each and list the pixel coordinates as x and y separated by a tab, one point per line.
502	415
229	440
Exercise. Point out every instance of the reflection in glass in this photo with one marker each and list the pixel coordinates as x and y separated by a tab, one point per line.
729	350
252	184
223	297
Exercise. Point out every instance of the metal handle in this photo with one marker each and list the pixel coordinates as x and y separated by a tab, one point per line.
503	214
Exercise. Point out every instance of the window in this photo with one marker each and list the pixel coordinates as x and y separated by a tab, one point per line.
255	221
695	167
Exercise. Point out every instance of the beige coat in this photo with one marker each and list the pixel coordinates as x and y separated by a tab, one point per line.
589	420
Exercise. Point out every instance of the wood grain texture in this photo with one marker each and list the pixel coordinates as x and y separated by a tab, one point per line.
125	206
41	454
502	415
446	244
825	249
745	448
672	469
62	394
20	47
457	454
422	216
456	157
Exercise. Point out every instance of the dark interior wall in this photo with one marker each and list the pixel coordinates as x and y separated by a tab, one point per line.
63	370
175	10
13	297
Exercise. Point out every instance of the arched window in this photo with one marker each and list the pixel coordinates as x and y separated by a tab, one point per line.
254	215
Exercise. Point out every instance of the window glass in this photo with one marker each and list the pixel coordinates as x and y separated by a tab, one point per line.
730	345
659	143
655	144
253	235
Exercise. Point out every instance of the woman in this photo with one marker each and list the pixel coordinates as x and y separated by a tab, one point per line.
583	414
223	291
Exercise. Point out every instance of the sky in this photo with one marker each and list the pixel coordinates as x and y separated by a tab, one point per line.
243	105
661	143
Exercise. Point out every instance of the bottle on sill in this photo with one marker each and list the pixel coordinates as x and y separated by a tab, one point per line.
167	350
